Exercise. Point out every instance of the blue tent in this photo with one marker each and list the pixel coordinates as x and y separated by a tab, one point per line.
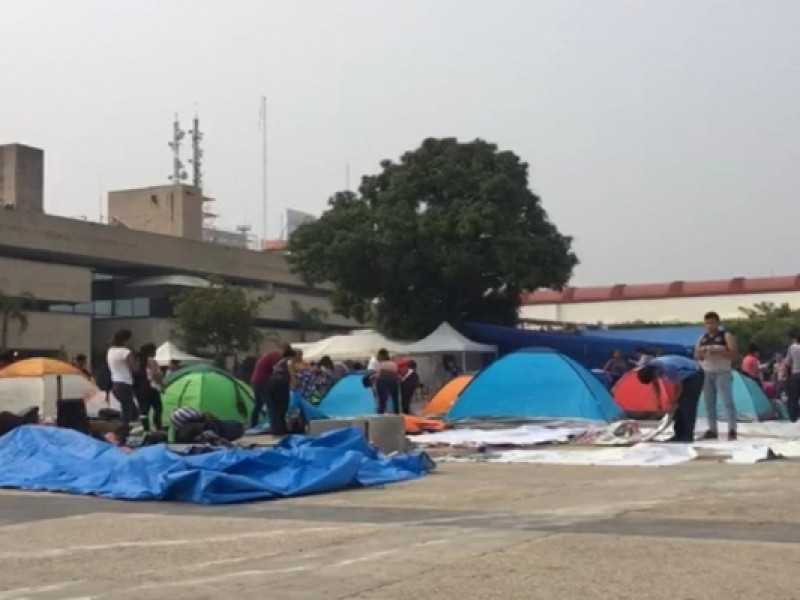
536	384
349	398
750	400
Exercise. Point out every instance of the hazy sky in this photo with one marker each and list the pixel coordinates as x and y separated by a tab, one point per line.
665	136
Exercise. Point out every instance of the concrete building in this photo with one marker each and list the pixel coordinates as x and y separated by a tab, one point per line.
90	279
21	178
677	301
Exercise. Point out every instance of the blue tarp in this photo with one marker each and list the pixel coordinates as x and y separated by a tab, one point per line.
62	460
535	384
591	352
686	336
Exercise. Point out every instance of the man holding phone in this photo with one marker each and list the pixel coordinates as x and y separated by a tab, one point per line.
716	350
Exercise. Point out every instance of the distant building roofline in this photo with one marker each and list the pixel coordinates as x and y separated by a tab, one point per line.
671	289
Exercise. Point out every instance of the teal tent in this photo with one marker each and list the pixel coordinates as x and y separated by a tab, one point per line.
750	400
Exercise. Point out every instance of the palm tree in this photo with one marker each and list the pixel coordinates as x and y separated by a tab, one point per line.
12	310
309	320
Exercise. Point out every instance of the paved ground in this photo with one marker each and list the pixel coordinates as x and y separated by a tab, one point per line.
471	531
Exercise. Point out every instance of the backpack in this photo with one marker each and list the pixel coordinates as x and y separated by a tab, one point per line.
102	378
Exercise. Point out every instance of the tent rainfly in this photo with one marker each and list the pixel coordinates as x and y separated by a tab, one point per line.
168	352
446	339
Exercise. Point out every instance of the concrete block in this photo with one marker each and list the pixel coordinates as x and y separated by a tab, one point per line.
387	432
323	425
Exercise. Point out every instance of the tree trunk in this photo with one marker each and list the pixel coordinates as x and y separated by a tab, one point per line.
4	332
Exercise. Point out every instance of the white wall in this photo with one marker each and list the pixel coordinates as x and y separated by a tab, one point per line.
654	310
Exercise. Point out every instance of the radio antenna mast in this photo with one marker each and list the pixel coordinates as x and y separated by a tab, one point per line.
178	172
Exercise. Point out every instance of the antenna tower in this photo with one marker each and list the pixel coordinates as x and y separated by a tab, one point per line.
197	154
178	172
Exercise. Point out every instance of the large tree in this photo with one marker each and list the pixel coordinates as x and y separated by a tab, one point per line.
220	318
452	232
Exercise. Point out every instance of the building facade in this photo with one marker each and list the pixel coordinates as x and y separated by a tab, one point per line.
82	281
669	302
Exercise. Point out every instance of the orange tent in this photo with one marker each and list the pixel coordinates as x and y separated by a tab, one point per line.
442	400
639	400
39	367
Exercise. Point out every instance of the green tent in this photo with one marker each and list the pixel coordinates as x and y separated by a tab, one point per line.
209	390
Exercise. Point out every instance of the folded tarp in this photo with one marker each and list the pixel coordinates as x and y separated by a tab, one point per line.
61	460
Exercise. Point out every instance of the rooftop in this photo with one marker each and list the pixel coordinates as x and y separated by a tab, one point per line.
670	289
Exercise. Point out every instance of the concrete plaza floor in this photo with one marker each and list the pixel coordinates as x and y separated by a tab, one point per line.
470	531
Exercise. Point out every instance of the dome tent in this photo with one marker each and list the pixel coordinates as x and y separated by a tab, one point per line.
638	399
446	396
209	390
535	383
749	399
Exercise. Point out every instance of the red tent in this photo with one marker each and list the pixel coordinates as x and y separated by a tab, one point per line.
639	400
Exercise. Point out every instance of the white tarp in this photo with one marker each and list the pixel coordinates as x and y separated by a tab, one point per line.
526	435
358	346
446	339
168	351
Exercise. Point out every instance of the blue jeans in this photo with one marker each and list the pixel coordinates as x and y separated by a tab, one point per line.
719	385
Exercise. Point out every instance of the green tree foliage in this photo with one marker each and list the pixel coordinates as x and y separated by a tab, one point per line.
308	321
220	317
12	313
770	326
450	233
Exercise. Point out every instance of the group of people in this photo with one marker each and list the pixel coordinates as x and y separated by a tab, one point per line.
279	373
710	374
135	379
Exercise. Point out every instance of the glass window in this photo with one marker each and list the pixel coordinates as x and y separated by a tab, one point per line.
123	308
60	308
84	308
141	307
103	308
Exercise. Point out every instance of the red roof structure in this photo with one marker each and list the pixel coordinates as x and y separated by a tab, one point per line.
672	289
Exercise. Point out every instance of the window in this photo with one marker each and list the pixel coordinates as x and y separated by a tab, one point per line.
85	308
123	308
141	307
103	308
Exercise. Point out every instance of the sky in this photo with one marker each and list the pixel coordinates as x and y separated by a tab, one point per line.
663	136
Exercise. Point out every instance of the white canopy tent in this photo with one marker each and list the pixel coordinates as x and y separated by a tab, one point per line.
168	352
445	339
361	345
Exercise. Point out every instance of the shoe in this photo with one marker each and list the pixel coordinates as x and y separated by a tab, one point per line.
732	437
710	435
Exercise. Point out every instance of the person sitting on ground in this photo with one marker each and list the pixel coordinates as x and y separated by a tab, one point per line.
688	378
616	367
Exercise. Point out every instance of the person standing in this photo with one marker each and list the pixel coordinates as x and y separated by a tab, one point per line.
122	366
281	381
791	365
616	367
387	383
261	375
148	380
716	351
688	378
